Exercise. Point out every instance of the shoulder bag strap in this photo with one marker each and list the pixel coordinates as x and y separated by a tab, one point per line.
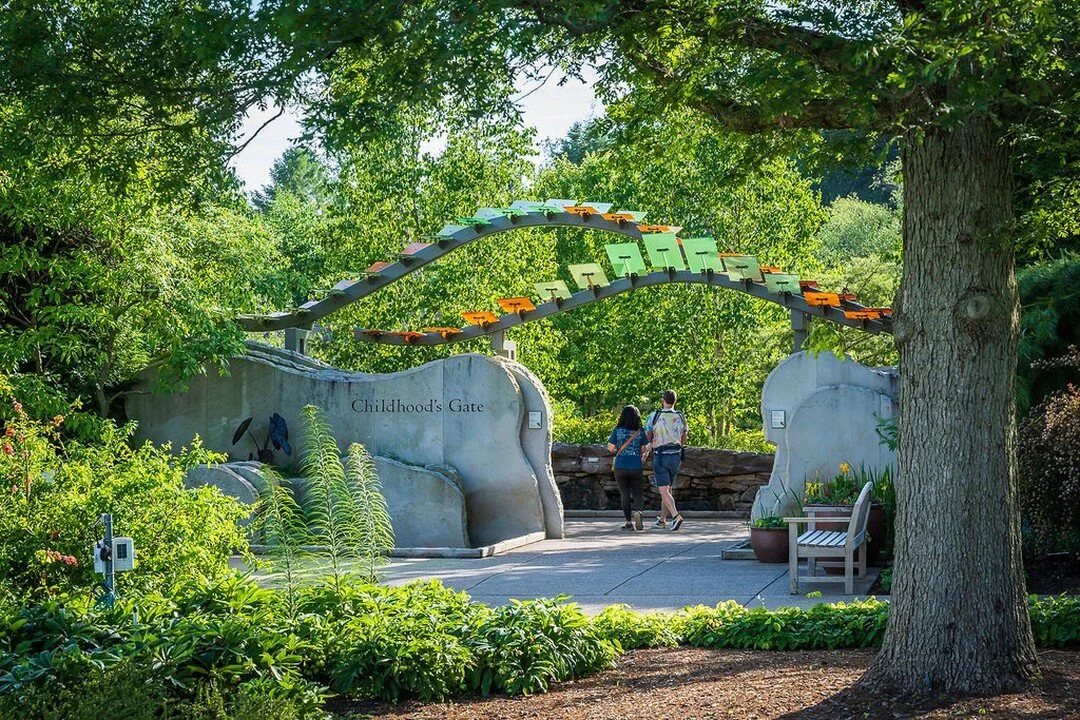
628	441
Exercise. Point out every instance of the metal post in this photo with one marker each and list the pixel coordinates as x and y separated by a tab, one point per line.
502	346
800	325
110	576
296	340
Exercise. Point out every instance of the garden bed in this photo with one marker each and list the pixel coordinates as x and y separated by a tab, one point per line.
692	683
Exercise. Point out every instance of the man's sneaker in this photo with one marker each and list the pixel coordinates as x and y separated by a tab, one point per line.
677	522
637	520
628	526
659	523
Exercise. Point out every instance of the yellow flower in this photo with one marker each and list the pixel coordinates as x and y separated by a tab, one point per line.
845	468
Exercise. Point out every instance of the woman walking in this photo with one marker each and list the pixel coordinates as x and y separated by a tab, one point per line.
630	446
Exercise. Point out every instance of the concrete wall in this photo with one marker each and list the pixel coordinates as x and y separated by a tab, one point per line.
469	412
708	479
821	411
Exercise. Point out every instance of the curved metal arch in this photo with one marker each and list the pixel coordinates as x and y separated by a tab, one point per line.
349	291
791	301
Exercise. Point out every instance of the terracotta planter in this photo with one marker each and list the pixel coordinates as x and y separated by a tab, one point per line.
770	544
875	526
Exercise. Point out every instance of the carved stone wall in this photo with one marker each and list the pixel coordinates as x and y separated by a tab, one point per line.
708	479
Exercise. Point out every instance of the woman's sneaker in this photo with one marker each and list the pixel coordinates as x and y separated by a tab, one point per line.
628	526
660	524
637	520
677	522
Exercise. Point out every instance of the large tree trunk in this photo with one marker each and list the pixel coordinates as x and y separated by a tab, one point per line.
958	619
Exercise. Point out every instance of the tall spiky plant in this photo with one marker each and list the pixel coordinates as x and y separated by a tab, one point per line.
326	500
279	519
368	507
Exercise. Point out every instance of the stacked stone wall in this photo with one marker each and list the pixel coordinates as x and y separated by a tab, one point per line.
708	479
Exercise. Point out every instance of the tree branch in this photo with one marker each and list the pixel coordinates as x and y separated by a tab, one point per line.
827	51
822	113
603	21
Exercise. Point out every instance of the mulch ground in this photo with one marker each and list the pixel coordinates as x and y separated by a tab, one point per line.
696	684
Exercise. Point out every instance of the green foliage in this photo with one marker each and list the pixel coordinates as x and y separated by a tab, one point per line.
1049	462
857	624
523	647
88	304
55	491
375	536
570	427
327	501
279	524
1049	321
213	644
857	229
343	505
1055	621
631	630
769	521
229	649
842	489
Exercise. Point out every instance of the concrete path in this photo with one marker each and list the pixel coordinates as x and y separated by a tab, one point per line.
599	564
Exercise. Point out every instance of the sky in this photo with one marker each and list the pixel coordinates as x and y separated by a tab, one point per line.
547	107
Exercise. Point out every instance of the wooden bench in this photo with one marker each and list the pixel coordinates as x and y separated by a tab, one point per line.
813	544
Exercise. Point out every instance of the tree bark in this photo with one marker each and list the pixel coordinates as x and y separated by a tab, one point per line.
958	619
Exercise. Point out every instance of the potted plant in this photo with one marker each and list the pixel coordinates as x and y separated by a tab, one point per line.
834	498
769	539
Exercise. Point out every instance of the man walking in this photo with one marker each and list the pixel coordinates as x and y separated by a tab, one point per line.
666	432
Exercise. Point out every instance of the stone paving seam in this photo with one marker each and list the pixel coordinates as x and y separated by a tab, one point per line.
688	548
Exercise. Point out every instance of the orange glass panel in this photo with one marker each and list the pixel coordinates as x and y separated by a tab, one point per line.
377	266
480	317
408	336
862	314
886	312
846	297
821	299
808	285
444	331
770	269
516	304
413	248
646	229
581	210
615	217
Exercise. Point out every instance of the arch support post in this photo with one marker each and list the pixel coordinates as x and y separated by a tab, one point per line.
296	339
502	346
800	326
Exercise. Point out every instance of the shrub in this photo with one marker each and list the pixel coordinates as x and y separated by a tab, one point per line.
631	630
1049	463
1055	622
55	492
844	625
523	647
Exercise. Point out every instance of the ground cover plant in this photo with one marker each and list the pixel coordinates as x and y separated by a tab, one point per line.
233	645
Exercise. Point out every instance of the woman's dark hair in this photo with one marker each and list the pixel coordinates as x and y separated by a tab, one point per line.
630	419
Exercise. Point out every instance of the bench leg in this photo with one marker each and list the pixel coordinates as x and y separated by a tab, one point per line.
849	583
864	552
793	559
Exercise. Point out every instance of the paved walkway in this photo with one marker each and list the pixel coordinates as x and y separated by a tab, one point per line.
599	564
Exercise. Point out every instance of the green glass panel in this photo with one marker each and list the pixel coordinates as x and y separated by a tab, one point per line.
588	275
625	259
702	255
548	291
664	252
